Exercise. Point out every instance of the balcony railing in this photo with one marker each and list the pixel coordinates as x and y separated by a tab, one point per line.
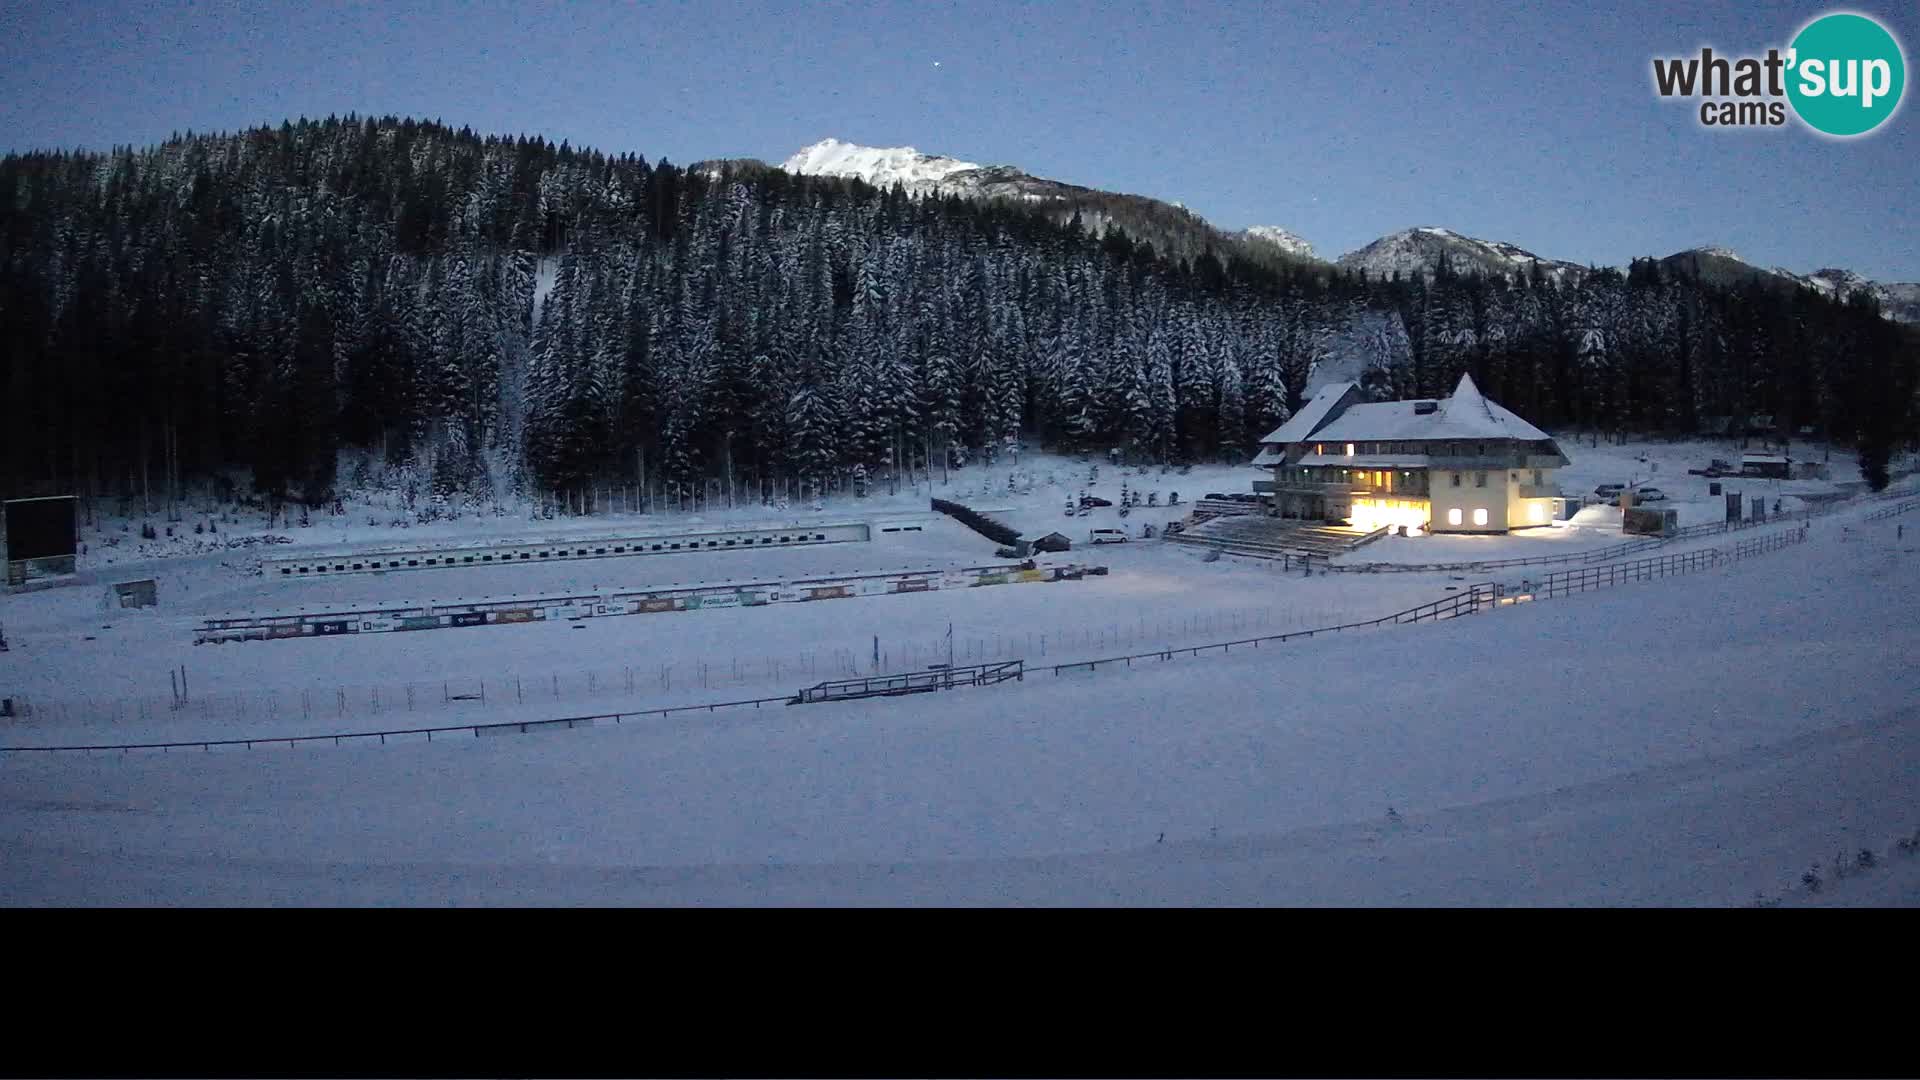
1308	487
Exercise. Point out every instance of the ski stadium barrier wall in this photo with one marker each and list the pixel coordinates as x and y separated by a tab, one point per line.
364	619
600	547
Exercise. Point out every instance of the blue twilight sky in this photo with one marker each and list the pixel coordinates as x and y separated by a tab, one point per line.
1532	123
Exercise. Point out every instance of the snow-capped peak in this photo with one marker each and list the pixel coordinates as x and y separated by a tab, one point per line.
1280	238
879	166
1833	279
1418	251
1720	252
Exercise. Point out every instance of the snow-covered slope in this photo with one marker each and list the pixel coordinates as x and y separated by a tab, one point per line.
1418	251
1280	238
925	174
1171	227
1899	301
880	166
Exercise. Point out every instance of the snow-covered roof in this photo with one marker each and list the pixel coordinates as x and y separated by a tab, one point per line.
1310	416
1467	414
1763	459
1269	456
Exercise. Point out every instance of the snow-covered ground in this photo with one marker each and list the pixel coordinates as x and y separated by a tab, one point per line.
100	674
1695	740
1698	740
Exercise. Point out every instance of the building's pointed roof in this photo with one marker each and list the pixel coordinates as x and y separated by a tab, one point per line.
1466	414
1467	411
1311	415
1466	395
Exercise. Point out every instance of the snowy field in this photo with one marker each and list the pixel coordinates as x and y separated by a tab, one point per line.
99	674
1699	740
1154	595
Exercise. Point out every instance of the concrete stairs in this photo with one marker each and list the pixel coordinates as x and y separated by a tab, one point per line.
1264	537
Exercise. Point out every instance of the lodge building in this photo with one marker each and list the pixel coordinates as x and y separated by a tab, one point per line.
1460	464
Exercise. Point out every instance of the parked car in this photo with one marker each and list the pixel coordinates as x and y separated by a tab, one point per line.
1649	494
1108	536
1609	492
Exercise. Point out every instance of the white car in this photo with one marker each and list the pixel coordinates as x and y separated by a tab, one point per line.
1108	536
1649	494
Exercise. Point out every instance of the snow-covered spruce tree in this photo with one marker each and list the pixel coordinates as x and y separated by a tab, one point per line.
157	297
812	424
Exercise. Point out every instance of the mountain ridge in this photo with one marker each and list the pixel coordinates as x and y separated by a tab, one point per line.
1416	249
1167	224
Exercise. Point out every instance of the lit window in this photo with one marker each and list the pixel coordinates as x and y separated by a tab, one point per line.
1453	516
1539	511
1349	449
1479	517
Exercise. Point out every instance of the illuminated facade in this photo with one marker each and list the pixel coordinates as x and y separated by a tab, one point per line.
1460	464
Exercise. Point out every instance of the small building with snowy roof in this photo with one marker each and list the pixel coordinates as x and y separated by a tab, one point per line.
1053	542
1773	465
1459	464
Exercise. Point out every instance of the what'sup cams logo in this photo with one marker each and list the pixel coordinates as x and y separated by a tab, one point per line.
1843	75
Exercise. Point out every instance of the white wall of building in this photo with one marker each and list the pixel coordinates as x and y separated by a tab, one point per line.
1528	513
1481	509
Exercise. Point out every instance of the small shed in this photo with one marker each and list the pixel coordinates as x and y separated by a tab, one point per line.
137	594
1770	465
1650	521
1053	542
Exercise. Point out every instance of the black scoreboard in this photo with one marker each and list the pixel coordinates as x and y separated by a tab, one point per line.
41	528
